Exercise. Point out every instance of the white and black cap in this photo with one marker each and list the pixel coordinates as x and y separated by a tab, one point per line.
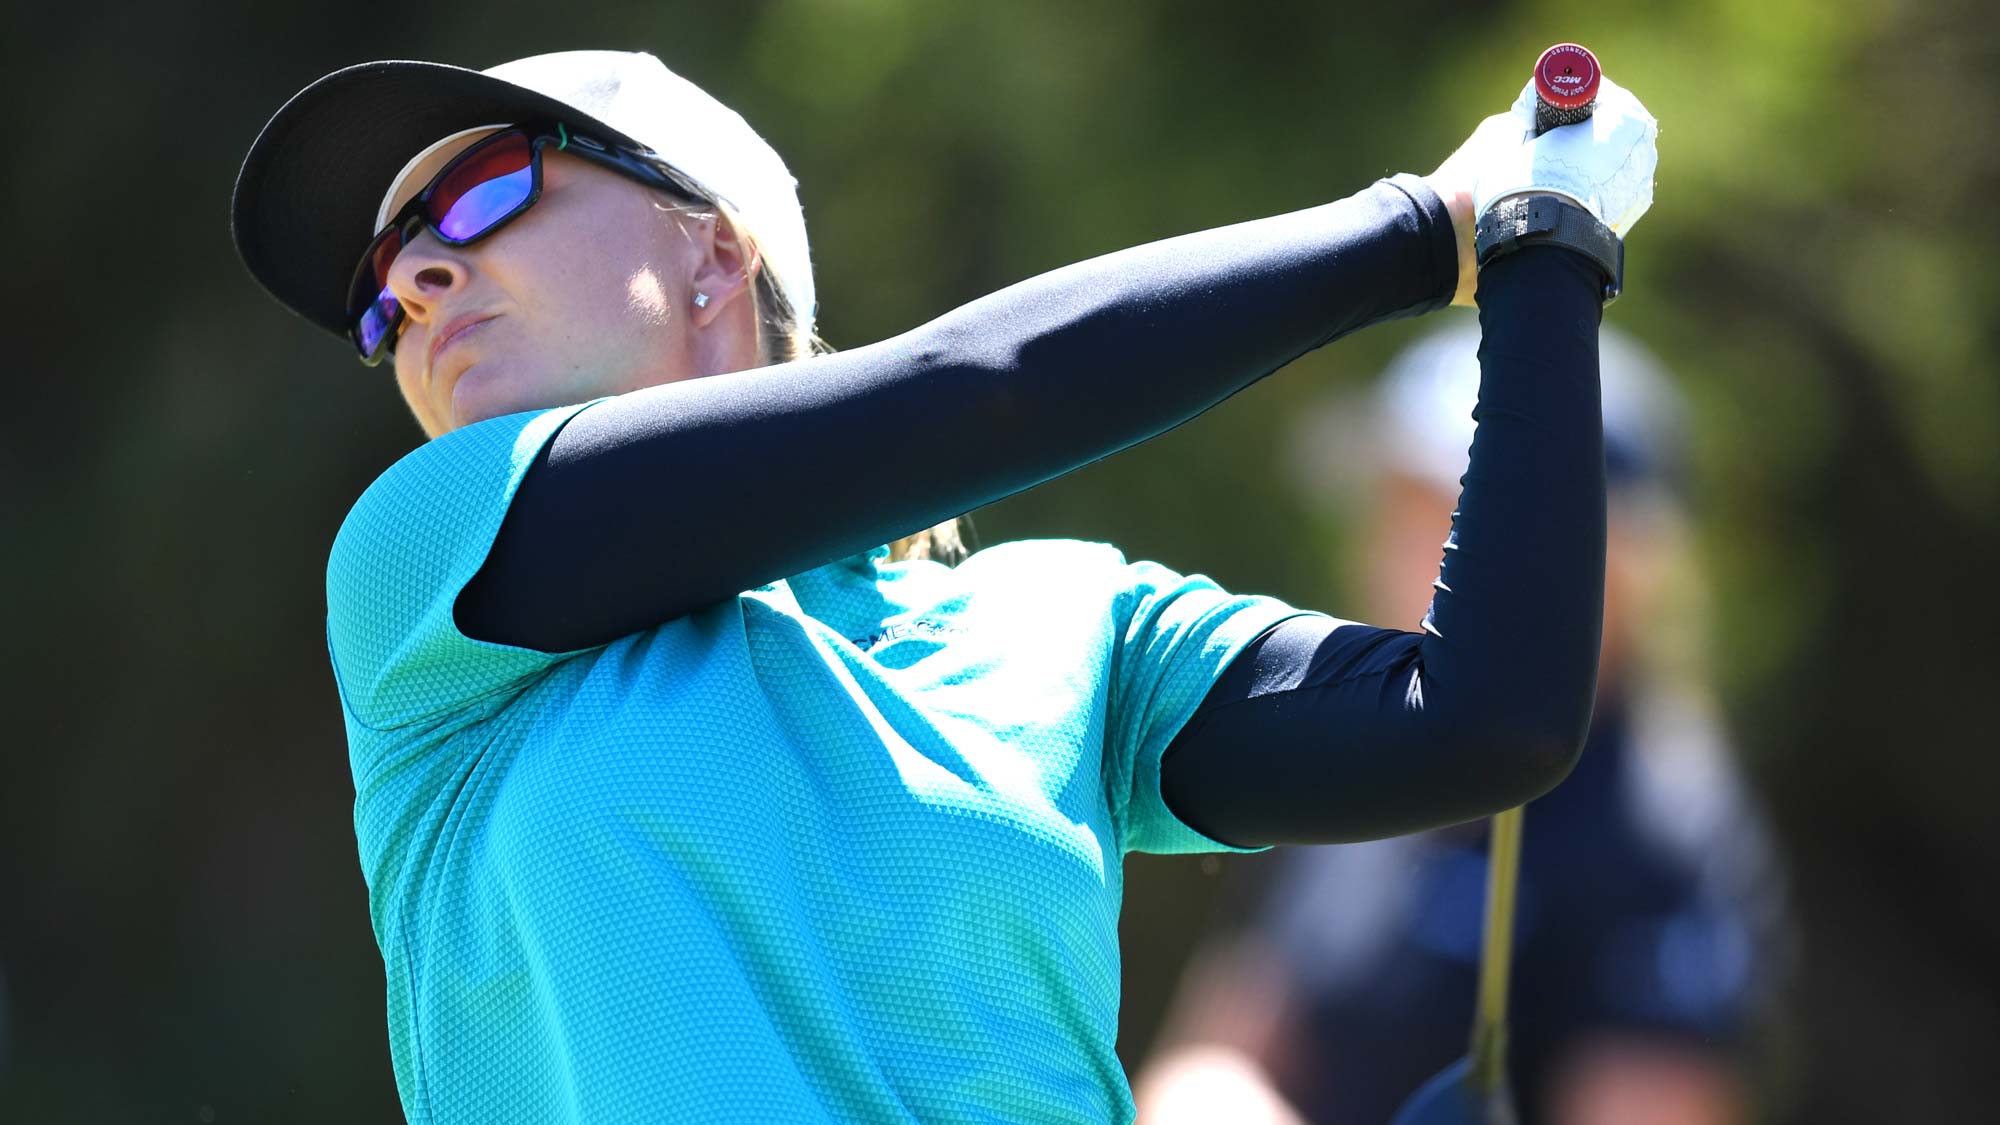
313	188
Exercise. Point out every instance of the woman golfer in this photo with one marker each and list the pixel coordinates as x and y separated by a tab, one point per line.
693	781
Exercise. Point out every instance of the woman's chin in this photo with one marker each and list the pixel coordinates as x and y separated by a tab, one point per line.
482	391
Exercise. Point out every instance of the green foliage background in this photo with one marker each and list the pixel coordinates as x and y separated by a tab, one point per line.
183	929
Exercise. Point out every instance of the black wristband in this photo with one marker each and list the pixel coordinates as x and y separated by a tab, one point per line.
1534	219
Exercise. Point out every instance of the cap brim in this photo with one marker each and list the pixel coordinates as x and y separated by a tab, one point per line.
306	197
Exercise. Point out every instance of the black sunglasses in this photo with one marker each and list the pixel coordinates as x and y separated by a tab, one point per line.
480	191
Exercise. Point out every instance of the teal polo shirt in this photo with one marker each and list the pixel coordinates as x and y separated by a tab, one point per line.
845	847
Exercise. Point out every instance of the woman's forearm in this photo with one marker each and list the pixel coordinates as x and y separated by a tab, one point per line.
655	503
1317	734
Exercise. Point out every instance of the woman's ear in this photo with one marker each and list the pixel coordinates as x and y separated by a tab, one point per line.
724	264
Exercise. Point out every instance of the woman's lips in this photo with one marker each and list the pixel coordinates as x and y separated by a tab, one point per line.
453	331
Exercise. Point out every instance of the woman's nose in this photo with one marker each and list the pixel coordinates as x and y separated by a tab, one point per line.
424	274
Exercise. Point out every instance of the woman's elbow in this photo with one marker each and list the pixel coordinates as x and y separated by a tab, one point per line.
1527	736
1509	755
1529	763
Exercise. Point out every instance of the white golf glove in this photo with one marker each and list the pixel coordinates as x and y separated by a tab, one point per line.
1605	163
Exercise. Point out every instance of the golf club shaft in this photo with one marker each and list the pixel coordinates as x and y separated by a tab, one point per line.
1489	1024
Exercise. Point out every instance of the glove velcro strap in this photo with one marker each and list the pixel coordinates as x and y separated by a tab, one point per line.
1537	218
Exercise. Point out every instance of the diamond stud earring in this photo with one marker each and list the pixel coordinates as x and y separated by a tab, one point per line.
701	300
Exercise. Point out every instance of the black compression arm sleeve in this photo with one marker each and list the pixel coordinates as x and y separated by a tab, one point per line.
1318	734
652	504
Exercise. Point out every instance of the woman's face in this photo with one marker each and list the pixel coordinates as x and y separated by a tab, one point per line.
587	293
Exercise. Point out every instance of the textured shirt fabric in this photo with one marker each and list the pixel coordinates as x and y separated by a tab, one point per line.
844	847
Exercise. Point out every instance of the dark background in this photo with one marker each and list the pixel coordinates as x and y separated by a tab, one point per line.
183	927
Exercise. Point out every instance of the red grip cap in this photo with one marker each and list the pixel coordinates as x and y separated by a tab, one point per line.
1566	76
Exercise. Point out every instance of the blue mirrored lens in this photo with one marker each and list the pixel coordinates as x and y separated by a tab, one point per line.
486	204
376	322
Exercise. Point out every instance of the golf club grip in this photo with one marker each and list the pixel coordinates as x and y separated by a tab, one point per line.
1566	81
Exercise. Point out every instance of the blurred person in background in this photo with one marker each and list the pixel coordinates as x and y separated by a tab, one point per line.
1649	929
